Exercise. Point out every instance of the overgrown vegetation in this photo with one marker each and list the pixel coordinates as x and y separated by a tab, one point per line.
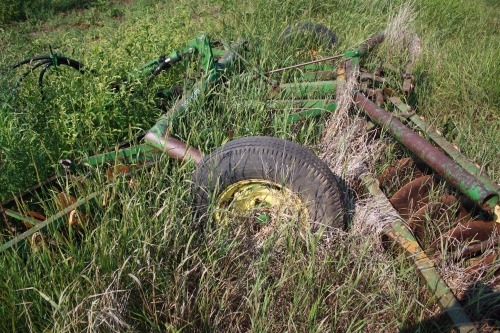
145	264
33	10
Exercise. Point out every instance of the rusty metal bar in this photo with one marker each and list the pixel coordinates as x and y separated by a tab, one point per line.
480	193
453	152
48	221
278	70
370	43
174	147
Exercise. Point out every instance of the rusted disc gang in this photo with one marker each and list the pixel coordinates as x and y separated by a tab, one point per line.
402	166
470	250
445	205
479	268
475	234
476	229
412	196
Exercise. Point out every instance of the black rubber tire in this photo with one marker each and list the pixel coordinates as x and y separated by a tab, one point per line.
276	160
314	33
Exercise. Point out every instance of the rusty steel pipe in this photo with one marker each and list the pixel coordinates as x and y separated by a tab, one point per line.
174	148
179	150
480	193
368	44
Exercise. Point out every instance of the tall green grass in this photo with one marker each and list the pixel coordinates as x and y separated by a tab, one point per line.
12	10
146	264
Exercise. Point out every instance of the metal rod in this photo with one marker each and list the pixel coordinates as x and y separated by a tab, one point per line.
304	64
480	193
174	148
453	152
48	221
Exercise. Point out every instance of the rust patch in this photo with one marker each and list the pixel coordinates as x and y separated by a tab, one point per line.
412	196
402	166
442	209
473	231
479	268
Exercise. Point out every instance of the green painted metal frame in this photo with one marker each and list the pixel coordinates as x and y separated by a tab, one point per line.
135	154
213	63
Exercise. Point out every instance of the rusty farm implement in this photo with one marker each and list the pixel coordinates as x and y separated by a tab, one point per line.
443	205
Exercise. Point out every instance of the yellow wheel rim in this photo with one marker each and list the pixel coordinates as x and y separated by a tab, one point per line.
260	200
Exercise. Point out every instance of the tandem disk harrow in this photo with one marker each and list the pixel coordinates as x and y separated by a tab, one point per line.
447	207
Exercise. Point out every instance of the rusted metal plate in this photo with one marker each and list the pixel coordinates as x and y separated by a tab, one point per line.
477	230
117	170
65	200
480	267
412	196
446	209
401	168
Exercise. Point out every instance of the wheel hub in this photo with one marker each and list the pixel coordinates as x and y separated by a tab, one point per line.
261	201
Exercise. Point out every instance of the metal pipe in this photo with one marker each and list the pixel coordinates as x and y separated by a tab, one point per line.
174	147
368	44
453	152
448	148
304	64
158	136
179	150
483	195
